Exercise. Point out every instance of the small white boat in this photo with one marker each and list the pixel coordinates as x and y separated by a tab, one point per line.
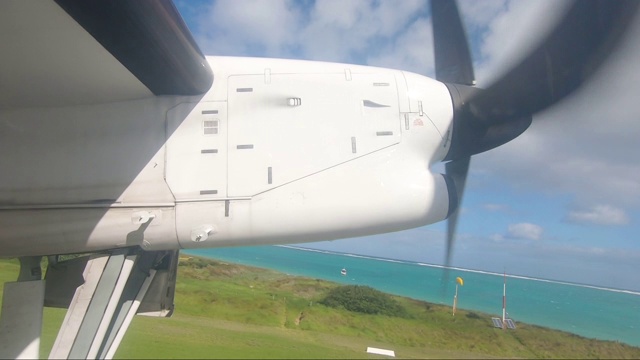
343	272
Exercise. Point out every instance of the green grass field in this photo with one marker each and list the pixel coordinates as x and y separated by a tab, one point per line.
231	311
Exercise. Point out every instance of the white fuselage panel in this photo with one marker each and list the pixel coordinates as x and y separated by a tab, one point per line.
296	125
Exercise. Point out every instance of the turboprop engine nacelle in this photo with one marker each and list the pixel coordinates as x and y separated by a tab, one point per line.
284	151
277	151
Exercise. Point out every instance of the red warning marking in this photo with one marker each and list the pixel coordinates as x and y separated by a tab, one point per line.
418	122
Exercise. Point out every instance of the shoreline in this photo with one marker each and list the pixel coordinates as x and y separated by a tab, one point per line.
544	321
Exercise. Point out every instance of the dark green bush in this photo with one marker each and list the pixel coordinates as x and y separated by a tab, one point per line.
363	299
472	315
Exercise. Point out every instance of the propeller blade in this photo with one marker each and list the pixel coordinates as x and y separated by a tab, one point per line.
457	171
485	119
451	50
453	66
589	32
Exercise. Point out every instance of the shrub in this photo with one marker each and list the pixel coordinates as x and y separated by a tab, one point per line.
363	299
472	315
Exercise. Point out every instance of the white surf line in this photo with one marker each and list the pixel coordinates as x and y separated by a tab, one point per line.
631	292
536	279
348	255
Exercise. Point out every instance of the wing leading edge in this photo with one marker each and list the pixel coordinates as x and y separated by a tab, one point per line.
69	52
150	39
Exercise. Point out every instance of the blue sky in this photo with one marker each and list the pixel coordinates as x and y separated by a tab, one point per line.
562	201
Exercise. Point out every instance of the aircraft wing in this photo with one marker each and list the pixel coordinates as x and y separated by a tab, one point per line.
71	52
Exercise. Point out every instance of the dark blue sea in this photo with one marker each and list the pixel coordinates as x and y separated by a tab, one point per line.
590	311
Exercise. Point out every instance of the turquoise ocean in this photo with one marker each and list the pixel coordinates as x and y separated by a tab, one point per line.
590	311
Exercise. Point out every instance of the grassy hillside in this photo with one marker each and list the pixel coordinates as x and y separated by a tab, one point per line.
230	311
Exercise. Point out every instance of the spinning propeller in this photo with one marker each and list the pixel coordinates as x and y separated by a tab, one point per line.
487	118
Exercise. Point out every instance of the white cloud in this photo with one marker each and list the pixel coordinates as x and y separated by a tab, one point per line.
227	28
599	215
411	51
348	31
525	231
520	231
324	30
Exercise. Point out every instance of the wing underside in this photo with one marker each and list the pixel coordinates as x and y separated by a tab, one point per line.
68	52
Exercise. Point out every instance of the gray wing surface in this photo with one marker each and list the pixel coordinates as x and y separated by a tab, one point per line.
70	52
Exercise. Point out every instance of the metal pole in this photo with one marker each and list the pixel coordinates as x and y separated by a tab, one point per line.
504	301
455	301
